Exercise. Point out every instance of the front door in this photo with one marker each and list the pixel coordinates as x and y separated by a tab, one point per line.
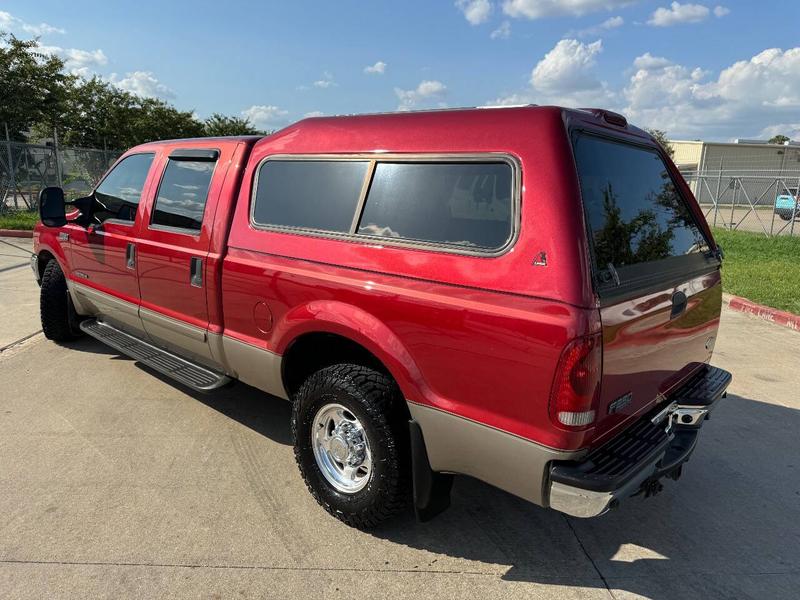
173	247
103	272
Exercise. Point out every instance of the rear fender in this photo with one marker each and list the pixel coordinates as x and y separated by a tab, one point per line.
357	325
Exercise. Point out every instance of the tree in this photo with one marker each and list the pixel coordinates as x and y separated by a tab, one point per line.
661	137
34	86
779	139
220	125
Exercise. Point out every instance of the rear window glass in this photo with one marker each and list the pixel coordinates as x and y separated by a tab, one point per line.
309	194
182	194
634	212
461	204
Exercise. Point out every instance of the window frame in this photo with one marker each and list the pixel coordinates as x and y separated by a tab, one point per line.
119	161
178	156
641	277
373	159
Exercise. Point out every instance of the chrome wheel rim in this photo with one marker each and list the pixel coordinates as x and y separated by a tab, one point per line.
341	448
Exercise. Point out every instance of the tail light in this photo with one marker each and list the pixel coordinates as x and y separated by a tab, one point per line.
576	386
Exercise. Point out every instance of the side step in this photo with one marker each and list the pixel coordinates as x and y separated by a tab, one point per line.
188	373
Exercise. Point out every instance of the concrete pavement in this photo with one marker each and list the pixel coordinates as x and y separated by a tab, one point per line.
114	482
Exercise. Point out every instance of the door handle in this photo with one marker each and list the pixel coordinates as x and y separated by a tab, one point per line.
196	271
679	301
130	255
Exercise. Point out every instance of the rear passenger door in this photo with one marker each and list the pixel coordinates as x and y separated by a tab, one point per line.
173	247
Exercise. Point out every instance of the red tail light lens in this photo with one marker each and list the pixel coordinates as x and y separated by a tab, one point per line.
576	387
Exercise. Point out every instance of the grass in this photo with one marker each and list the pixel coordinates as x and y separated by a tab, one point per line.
761	269
19	219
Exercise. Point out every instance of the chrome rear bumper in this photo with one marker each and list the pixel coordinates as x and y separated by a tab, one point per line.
654	447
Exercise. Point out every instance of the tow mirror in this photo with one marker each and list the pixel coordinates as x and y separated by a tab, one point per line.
51	207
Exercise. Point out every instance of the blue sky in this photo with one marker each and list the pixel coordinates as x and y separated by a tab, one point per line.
712	70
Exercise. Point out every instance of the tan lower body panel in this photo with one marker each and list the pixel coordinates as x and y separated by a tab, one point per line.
89	301
254	366
504	460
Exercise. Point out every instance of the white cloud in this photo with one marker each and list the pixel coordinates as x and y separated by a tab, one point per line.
11	23
265	116
538	9
326	81
607	25
426	92
503	32
649	62
565	76
567	67
679	13
721	11
78	62
475	11
142	83
744	99
790	130
314	113
379	68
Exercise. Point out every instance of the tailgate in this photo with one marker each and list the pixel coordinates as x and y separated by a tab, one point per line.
657	281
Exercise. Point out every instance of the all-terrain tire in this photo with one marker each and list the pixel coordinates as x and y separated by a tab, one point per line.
375	400
59	321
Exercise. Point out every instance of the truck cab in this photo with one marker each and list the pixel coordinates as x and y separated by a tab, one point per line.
529	296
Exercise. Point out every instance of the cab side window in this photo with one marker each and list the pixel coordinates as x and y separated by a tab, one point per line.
118	195
182	194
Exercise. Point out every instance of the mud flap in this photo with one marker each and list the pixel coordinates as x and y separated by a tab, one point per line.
431	490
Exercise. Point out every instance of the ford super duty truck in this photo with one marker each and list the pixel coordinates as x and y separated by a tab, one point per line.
527	295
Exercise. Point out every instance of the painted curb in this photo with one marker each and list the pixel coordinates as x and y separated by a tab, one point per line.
773	315
16	233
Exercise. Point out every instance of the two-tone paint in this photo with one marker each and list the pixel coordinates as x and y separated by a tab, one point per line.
472	341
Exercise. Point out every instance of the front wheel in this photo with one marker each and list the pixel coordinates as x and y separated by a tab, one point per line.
351	443
59	320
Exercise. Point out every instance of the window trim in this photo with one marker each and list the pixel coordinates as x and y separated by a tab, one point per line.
119	161
180	157
375	157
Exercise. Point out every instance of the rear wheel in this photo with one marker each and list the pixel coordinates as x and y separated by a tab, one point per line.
350	443
58	316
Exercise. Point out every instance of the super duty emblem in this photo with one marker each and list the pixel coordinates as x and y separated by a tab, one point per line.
620	403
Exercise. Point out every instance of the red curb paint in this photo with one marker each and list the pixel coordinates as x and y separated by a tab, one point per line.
779	317
16	233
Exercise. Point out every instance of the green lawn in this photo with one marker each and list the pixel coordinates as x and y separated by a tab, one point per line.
761	269
18	219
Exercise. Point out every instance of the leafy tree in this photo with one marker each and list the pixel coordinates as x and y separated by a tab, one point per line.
34	87
220	125
661	137
779	139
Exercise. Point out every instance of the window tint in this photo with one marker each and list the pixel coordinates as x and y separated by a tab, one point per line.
312	194
634	211
120	192
182	194
465	204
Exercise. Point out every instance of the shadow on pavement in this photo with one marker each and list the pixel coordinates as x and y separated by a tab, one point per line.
732	519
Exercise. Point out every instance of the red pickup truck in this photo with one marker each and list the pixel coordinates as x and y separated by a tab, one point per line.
526	295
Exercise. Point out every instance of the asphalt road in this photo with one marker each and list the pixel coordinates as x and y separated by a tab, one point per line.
114	482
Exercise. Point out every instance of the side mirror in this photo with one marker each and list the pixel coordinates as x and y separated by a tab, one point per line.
51	207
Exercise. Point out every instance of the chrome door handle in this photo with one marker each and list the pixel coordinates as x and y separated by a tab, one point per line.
196	272
130	255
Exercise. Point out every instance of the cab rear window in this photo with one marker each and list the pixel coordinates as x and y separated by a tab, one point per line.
634	212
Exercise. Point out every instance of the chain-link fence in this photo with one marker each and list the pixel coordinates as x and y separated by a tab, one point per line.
759	201
27	168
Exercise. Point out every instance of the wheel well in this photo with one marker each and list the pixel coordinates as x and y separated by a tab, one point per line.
313	351
44	258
